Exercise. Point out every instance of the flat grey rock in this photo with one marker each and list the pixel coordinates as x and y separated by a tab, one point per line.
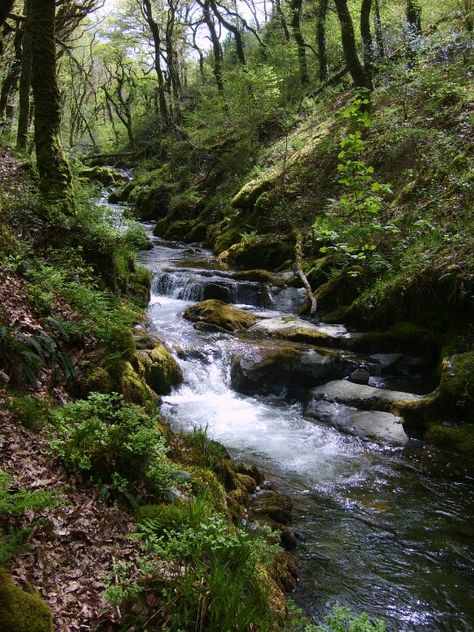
375	425
357	395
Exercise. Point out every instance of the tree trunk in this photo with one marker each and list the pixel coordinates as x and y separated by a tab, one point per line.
155	33
365	11
216	47
378	30
413	11
11	80
239	43
281	15
359	77
5	7
54	171
321	40
25	82
299	39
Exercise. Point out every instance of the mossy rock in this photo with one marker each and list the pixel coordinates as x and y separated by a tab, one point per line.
21	611
159	369
452	403
220	315
339	291
249	470
198	232
249	483
223	238
455	439
160	227
133	386
30	411
263	276
265	251
402	337
204	482
177	230
139	286
97	380
278	507
248	195
107	176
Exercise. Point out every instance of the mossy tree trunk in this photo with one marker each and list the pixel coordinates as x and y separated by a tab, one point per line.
321	39
378	30
296	6
11	80
358	74
365	11
5	7
413	11
54	171
216	46
25	82
155	33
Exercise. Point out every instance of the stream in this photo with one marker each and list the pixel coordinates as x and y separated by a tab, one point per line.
384	530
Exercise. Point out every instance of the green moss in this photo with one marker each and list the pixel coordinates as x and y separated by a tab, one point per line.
220	315
97	380
259	275
177	230
250	192
265	251
165	517
159	369
105	175
30	411
198	232
205	483
404	336
456	439
139	286
133	386
160	227
21	611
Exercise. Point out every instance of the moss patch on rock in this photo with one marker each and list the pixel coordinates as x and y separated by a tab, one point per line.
265	251
220	315
21	611
159	369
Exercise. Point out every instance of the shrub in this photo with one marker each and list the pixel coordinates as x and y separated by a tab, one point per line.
118	444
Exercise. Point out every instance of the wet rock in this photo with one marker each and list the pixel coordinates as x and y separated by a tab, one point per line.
217	291
299	330
285	369
358	395
216	313
379	426
278	507
107	176
248	482
266	251
288	539
361	375
249	470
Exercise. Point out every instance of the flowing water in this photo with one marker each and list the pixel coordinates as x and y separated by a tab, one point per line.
384	530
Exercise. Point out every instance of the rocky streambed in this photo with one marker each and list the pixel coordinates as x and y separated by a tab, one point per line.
384	524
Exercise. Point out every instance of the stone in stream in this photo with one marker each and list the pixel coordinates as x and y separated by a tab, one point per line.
358	395
299	330
282	368
220	315
375	425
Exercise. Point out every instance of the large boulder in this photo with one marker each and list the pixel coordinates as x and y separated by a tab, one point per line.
286	369
375	425
108	176
299	330
358	395
219	316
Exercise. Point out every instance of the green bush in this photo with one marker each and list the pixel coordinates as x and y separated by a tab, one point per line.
118	444
342	620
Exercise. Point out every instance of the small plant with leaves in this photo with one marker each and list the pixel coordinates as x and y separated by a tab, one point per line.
13	503
353	229
118	444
